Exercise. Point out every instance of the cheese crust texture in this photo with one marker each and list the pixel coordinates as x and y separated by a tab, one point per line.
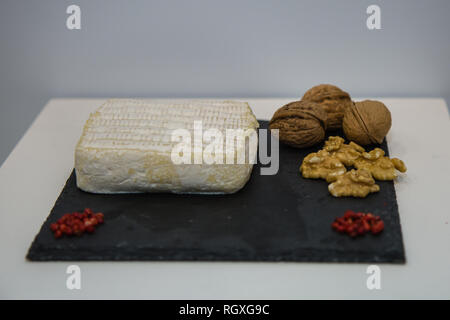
126	147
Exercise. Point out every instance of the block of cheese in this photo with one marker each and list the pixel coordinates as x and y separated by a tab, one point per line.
126	147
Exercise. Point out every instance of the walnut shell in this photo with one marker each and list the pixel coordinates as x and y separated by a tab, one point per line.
300	123
367	122
333	100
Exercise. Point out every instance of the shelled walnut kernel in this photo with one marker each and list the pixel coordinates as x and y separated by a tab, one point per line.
381	167
346	153
356	183
321	165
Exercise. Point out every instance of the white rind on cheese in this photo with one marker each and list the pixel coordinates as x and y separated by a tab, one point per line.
126	147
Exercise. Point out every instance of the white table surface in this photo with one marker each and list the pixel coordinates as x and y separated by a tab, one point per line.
33	175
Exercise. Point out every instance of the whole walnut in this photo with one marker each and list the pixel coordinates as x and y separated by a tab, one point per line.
333	100
367	122
300	123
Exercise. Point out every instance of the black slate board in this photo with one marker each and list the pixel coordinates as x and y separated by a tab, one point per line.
283	217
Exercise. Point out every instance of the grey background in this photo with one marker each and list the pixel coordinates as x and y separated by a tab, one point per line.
210	48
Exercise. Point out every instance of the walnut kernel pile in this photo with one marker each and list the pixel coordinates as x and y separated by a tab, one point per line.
330	164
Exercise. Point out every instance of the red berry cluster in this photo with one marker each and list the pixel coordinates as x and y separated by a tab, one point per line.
76	223
358	223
